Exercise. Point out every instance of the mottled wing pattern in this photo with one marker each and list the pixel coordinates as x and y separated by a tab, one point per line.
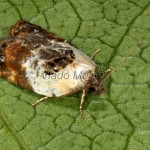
23	27
25	40
12	54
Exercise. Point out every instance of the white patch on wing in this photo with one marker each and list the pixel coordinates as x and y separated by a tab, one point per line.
49	86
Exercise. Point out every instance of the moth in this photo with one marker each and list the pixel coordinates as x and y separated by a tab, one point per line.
33	58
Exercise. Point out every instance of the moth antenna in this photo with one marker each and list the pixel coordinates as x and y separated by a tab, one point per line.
119	63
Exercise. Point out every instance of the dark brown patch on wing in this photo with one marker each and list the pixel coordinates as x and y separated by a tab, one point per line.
23	27
56	60
10	69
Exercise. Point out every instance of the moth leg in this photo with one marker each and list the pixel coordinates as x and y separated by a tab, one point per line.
95	53
82	101
40	100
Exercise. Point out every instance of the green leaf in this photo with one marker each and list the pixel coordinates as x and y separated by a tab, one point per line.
118	120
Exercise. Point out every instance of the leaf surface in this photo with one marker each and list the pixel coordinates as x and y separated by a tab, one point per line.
118	120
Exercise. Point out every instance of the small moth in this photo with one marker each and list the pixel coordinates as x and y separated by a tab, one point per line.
46	64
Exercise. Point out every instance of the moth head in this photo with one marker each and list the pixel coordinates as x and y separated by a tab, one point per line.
97	83
94	81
